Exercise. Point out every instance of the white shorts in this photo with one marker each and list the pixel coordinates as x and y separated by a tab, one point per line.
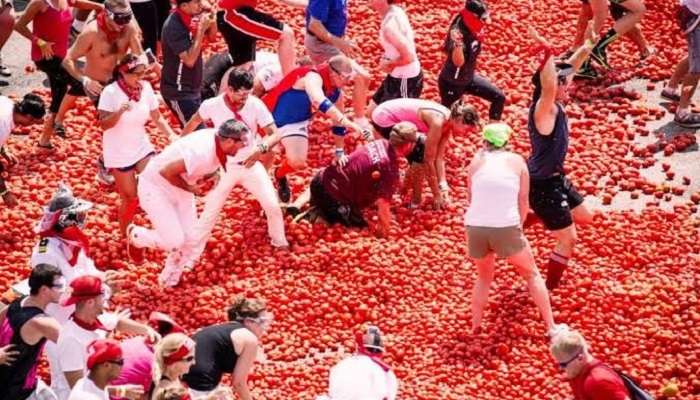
299	129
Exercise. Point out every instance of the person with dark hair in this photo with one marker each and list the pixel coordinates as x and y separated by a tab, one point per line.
231	348
51	21
339	193
293	102
167	188
126	106
497	198
181	78
400	61
438	123
364	375
462	46
103	43
29	111
24	329
237	103
241	24
553	197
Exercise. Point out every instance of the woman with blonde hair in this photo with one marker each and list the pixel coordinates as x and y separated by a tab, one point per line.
174	355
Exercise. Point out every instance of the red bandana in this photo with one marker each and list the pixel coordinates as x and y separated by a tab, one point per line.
376	357
179	354
233	107
133	94
270	99
88	326
74	238
112	35
220	153
473	23
190	22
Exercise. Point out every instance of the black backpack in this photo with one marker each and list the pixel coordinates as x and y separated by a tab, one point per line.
636	392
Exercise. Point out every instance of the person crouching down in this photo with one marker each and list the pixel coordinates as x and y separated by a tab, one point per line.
167	190
338	194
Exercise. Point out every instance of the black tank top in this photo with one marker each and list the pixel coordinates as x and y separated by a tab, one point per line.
214	356
471	49
19	380
548	151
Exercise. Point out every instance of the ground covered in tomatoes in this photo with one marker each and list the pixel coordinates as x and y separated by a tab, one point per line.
632	289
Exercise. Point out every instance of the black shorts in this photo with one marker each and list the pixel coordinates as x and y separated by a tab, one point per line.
552	199
330	209
132	166
76	89
214	69
397	88
242	27
417	155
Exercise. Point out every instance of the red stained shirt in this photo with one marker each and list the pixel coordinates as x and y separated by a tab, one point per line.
52	26
372	172
599	382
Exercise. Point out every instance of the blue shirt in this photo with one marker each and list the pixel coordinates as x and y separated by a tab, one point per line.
333	14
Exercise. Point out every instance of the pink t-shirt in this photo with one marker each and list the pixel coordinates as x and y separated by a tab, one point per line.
394	111
52	26
138	364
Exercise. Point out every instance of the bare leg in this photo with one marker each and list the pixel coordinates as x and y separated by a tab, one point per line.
66	105
480	292
47	132
285	50
679	73
126	186
566	240
584	16
582	215
690	83
599	11
635	35
440	160
525	264
636	10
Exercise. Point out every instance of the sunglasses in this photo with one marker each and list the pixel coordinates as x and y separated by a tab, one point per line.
565	364
117	362
120	18
188	359
346	76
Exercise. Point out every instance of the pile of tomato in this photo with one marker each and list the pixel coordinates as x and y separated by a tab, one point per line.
632	289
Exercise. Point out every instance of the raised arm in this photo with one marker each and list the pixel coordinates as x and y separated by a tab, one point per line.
244	365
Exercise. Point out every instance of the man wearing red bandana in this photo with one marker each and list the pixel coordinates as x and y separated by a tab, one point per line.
102	43
364	376
167	188
462	47
87	324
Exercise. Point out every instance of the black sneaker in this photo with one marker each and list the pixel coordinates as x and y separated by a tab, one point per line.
293	211
688	120
59	130
598	55
670	95
283	190
586	72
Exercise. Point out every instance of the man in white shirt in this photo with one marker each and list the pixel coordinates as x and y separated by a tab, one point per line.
87	324
104	363
29	111
167	190
237	103
363	376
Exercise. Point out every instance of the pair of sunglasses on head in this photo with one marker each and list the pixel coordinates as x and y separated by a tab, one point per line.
119	18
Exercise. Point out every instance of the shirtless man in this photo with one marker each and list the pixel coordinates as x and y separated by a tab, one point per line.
103	43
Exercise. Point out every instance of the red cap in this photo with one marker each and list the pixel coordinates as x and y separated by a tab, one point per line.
84	287
164	324
103	350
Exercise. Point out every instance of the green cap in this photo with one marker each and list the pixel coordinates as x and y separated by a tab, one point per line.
497	134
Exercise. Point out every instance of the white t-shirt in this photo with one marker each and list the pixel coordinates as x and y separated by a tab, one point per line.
7	122
264	59
254	114
198	150
126	143
400	20
360	378
85	389
72	355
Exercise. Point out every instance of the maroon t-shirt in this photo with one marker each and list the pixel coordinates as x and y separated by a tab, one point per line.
599	382
372	172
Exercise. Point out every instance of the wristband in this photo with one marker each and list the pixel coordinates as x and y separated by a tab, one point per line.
339	152
263	148
367	134
339	130
325	105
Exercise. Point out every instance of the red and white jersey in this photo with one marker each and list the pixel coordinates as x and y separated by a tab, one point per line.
394	111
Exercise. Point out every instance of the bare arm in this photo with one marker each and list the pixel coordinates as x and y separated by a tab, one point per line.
173	174
79	49
271	139
189	57
524	192
384	214
400	42
46	327
244	365
108	119
193	123
72	377
34	7
435	124
128	325
316	27
313	85
88	5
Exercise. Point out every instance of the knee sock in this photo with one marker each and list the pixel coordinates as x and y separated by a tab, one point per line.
555	269
283	170
609	37
131	210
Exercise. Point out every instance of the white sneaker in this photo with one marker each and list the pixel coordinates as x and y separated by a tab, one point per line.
172	271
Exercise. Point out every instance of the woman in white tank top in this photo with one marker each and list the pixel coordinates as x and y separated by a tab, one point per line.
404	76
499	184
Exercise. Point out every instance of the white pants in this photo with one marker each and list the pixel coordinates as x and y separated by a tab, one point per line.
257	182
173	214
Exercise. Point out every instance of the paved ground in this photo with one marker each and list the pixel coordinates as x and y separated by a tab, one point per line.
16	56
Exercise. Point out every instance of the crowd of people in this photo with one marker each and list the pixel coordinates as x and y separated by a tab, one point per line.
233	110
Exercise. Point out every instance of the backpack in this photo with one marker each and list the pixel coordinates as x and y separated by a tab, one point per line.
636	392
